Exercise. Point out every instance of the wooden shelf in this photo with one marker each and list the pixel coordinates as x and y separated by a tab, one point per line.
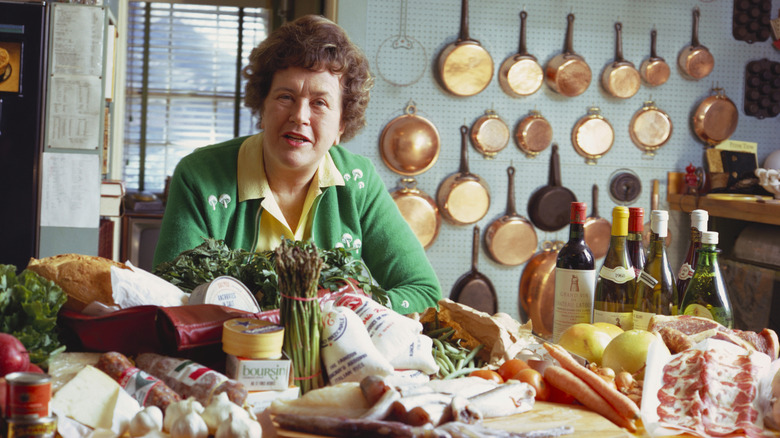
765	212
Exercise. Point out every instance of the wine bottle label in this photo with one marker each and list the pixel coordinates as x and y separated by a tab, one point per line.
618	274
624	320
647	279
686	272
642	319
574	291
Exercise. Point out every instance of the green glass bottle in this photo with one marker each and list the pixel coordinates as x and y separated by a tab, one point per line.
698	224
614	300
656	291
706	294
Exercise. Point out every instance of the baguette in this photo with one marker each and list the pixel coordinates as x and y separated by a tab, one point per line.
83	278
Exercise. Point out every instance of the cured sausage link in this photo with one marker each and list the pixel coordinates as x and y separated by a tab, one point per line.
191	379
143	387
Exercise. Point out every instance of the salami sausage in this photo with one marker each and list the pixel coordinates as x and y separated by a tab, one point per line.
143	387
191	379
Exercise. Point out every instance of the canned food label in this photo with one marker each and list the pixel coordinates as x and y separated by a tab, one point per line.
45	427
28	395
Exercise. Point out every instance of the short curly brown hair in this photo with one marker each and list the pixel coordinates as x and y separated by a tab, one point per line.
315	43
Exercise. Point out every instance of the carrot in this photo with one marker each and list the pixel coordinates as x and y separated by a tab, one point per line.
566	381
622	404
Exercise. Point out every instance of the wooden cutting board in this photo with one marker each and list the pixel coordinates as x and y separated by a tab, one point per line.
586	423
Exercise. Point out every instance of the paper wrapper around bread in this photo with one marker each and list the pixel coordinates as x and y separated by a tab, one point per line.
658	356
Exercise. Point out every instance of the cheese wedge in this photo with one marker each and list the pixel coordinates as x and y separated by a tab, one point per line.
93	398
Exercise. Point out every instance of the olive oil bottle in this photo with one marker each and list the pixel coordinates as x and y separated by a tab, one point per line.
706	295
698	224
616	283
656	291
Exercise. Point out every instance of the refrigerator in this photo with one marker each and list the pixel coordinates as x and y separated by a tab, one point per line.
23	42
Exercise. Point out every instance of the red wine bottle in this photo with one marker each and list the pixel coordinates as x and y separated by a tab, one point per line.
634	241
575	276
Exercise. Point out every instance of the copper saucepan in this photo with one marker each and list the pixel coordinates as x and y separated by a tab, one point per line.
695	60
597	229
533	134
511	239
465	68
473	288
410	143
716	118
489	134
463	197
654	70
520	74
592	136
567	73
650	128
536	295
620	78
419	210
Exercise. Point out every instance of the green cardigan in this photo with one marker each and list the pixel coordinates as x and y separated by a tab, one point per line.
360	216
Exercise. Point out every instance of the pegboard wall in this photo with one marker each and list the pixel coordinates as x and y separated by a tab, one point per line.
409	74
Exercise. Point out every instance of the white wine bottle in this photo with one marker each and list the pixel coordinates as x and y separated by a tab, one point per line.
656	291
706	295
575	276
698	224
615	286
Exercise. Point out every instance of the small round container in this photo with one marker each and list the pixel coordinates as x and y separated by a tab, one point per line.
42	427
28	395
252	338
225	291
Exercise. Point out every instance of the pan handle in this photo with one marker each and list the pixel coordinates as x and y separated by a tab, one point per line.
523	50
555	168
619	42
464	155
653	36
595	194
510	201
695	32
568	45
475	249
464	21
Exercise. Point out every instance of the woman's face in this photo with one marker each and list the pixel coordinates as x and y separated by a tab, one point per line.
301	118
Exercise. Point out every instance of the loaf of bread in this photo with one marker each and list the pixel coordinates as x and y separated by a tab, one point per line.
83	278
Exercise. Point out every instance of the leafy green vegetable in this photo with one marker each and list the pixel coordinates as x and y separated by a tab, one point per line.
213	259
29	304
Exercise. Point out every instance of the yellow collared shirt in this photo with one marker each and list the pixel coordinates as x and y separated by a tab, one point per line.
253	184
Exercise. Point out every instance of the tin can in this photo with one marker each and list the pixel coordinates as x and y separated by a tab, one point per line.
41	427
28	395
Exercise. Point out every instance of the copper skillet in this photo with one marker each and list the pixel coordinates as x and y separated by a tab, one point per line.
716	118
419	210
465	68
463	197
511	239
549	206
520	74
536	294
597	229
533	134
620	78
409	143
473	288
592	136
567	73
650	128
695	61
654	70
489	134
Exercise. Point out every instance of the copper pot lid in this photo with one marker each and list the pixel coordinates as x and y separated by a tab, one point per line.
592	136
489	134
410	143
650	128
419	210
533	134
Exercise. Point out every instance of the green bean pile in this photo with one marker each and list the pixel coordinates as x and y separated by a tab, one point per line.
453	359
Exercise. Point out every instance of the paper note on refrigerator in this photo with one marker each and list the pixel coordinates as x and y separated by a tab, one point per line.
70	192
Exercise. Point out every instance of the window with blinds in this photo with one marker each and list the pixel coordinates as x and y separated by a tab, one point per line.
184	88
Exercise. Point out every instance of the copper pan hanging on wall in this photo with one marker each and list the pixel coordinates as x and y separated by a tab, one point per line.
521	74
463	197
654	70
620	78
489	134
409	143
715	118
592	136
533	134
567	73
650	128
511	239
419	210
695	60
465	68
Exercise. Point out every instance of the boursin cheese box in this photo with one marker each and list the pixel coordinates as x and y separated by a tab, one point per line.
260	374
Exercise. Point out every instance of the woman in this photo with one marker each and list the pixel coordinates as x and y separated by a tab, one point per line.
309	85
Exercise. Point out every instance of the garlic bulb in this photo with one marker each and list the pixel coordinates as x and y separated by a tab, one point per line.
179	408
146	420
220	410
189	425
239	426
